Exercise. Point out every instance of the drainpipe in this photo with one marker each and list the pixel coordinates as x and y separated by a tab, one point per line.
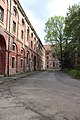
9	39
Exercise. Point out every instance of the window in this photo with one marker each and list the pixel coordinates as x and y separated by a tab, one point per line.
14	11
13	47
21	34
31	35
47	63
27	57
53	64
13	62
32	55
53	55
47	52
27	34
47	66
31	44
14	26
1	13
21	50
21	63
35	38
47	57
23	22
34	46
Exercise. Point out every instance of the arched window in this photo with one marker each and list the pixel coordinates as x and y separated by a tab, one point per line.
22	50
13	47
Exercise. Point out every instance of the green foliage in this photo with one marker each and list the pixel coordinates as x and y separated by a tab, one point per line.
72	25
72	31
54	29
54	33
73	72
65	34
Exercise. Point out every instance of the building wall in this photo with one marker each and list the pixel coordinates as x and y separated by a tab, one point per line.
51	60
25	50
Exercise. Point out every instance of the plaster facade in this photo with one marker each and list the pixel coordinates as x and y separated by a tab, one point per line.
51	60
21	49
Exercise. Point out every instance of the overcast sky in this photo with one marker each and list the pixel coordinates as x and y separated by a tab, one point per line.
38	12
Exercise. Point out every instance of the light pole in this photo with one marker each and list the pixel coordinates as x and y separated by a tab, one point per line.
9	39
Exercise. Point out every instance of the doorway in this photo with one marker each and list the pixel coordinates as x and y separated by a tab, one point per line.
2	55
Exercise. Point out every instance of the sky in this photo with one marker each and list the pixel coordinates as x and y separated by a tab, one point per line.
39	11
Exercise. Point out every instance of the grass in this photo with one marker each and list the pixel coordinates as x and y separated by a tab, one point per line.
73	72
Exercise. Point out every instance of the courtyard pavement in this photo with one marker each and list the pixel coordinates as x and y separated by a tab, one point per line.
47	95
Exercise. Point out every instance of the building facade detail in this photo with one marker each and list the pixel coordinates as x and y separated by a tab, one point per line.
21	49
51	60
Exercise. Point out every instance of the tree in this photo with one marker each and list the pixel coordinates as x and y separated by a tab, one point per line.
54	33
72	32
72	22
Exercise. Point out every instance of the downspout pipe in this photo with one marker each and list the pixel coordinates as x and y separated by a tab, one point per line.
9	40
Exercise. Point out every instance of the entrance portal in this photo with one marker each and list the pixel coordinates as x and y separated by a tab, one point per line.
2	55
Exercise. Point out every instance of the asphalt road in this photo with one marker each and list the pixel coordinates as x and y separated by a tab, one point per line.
48	95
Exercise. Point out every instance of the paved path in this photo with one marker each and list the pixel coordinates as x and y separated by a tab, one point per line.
48	95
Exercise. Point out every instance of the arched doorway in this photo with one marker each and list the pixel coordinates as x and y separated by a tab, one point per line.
2	55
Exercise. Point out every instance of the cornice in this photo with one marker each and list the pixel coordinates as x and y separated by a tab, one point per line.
27	20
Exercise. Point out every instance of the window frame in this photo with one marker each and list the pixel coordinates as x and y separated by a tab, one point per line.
23	22
14	11
27	34
14	26
22	34
1	14
21	63
13	47
13	62
22	50
31	44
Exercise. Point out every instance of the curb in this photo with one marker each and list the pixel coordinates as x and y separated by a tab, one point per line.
14	78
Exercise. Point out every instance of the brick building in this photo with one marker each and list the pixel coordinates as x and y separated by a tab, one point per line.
21	49
51	58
